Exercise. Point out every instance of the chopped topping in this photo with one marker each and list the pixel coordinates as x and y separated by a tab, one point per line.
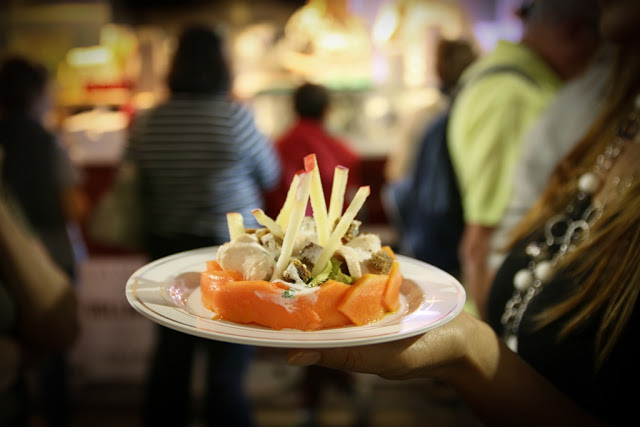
321	277
380	262
272	243
246	255
352	260
258	232
309	254
352	231
365	244
304	251
298	273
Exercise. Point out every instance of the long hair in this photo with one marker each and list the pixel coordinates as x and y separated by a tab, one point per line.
606	265
199	65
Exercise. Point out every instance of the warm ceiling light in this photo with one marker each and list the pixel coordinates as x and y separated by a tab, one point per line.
89	56
386	23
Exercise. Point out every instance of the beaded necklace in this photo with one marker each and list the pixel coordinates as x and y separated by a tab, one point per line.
565	231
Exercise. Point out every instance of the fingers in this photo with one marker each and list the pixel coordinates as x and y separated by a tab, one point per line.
389	360
436	354
349	359
303	357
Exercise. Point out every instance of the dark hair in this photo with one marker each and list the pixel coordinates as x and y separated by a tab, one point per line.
22	82
311	100
452	58
561	11
524	10
199	65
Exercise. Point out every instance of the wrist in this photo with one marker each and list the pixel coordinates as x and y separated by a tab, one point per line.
478	353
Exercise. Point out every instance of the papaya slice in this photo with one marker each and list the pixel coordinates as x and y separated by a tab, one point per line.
363	302
391	295
333	305
257	301
330	294
213	265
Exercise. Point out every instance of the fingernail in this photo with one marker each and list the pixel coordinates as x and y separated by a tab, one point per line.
304	358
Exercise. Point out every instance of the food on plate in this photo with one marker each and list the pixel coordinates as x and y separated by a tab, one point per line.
304	272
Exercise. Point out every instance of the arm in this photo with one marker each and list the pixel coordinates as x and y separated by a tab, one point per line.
497	385
473	253
46	302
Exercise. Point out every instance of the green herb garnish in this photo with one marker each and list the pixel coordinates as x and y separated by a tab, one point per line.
322	277
337	274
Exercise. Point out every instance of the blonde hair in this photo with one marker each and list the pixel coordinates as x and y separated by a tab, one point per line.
608	264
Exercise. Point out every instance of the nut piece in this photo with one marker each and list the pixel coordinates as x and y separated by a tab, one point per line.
309	254
380	262
352	231
303	273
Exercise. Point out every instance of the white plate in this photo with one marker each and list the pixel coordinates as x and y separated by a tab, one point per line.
167	291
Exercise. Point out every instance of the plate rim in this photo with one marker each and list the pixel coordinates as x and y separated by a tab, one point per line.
315	337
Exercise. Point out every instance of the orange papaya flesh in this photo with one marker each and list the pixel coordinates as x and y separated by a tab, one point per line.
212	282
391	295
258	301
213	265
333	305
329	296
362	303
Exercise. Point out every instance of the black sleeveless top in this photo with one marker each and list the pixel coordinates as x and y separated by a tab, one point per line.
569	364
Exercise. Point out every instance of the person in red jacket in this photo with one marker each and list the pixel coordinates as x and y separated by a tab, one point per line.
308	135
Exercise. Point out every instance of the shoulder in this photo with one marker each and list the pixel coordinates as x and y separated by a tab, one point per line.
343	147
496	84
236	109
501	88
513	64
291	135
490	96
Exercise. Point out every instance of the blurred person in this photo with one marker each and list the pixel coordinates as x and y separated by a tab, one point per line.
47	186
198	155
308	135
572	350
490	117
452	57
38	311
424	205
554	133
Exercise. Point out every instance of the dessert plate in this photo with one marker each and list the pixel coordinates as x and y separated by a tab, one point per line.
167	291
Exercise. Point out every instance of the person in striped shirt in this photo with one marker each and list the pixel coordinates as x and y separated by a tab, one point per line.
199	155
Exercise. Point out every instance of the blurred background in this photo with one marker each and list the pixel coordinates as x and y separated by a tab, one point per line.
109	58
